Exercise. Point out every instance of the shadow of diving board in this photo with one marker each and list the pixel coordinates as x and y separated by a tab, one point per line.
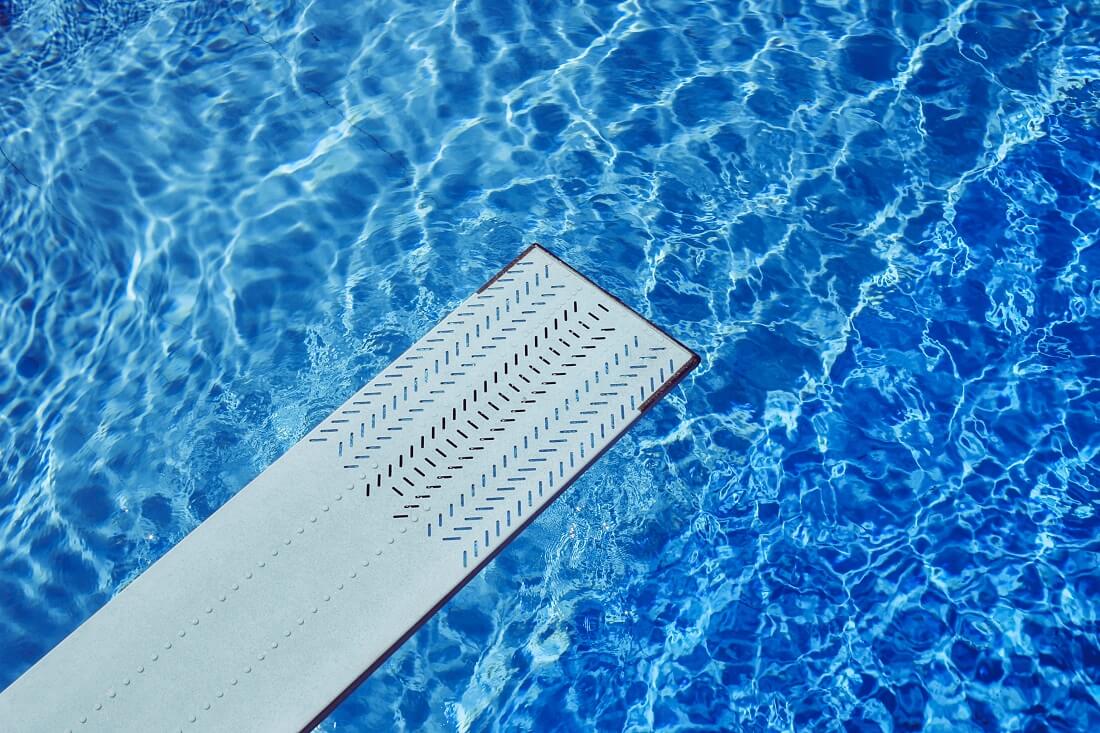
273	609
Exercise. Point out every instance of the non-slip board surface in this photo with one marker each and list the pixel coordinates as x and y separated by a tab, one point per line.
265	615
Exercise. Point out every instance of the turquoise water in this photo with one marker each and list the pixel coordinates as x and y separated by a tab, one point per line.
873	507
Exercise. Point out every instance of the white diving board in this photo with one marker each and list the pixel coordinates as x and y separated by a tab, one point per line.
272	610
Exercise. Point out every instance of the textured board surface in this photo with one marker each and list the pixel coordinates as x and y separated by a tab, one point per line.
273	608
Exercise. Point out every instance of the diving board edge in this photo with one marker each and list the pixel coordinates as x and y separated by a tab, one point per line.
645	407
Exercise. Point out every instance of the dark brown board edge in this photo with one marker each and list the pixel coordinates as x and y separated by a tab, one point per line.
506	268
664	389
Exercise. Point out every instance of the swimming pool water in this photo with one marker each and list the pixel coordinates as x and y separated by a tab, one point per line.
872	508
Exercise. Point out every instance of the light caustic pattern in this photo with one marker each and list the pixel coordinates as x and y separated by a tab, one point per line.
872	507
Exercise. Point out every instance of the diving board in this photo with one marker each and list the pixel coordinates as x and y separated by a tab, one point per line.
267	614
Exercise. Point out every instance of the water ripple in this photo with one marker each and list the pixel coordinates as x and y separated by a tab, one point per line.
872	508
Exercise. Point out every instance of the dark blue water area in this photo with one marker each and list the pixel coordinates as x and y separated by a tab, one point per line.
873	507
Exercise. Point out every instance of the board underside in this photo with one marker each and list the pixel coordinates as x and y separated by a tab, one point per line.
284	599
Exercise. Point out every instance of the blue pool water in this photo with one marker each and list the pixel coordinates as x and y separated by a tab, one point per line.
872	508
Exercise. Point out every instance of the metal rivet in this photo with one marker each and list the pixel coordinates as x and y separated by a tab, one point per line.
286	541
352	574
191	718
378	551
222	598
301	530
286	633
233	681
248	575
141	669
328	597
83	720
391	540
351	487
126	681
99	706
236	586
167	645
248	670
274	645
182	634
301	621
374	465
313	609
404	530
324	508
111	693
339	586
416	517
221	694
261	657
206	706
365	563
313	519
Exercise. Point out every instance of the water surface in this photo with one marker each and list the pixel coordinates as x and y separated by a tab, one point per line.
872	508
